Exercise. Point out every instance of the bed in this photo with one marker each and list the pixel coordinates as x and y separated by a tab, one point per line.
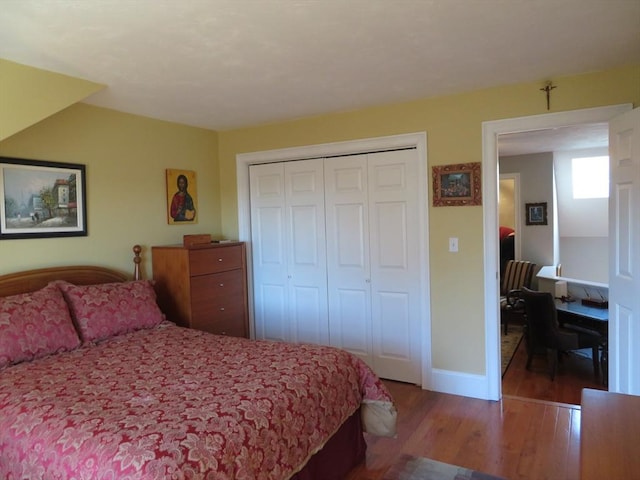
95	383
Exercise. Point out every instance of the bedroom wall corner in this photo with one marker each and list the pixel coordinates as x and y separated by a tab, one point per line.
126	158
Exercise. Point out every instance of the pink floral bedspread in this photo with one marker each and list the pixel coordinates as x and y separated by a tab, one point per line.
176	403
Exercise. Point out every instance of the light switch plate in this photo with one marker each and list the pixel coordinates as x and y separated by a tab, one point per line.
453	244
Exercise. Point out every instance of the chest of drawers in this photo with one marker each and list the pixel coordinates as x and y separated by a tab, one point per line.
203	287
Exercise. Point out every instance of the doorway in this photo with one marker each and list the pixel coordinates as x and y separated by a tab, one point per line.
491	131
543	158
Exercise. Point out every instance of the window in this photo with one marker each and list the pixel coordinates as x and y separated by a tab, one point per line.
590	177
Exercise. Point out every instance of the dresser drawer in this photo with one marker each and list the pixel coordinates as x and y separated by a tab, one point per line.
220	314
224	326
224	284
211	260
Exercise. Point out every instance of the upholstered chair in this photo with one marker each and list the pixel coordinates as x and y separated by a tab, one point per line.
517	274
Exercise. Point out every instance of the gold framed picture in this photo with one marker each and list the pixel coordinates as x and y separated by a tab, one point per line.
455	185
182	197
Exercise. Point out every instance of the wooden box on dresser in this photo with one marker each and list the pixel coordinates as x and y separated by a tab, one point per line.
203	286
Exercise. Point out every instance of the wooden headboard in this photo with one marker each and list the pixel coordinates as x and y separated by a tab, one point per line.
32	280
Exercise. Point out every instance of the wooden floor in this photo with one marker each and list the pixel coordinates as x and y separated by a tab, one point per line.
574	373
516	438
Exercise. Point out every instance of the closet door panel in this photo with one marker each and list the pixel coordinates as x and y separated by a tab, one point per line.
395	334
395	273
349	288
351	307
271	312
270	284
306	256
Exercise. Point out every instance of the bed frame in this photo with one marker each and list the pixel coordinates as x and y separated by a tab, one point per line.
32	280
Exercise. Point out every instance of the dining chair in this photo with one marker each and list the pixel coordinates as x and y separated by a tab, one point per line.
545	335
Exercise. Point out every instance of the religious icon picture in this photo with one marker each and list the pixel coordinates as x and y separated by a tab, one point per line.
182	197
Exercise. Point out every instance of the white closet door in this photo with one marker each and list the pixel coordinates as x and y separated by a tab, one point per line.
268	239
289	258
336	256
349	278
395	269
306	254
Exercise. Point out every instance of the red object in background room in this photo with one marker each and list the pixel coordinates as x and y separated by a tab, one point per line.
505	232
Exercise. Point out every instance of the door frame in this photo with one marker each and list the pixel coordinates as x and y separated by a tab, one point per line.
490	132
417	140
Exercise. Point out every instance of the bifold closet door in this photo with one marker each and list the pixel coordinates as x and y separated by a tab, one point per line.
348	268
336	257
373	260
288	251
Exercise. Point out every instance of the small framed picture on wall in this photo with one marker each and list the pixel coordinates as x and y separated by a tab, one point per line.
182	197
457	185
536	213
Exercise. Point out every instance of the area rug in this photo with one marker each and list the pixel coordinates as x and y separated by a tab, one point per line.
409	467
509	344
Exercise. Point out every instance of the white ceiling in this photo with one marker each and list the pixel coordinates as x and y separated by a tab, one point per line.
554	139
224	64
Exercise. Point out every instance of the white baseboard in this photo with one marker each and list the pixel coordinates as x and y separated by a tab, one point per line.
459	383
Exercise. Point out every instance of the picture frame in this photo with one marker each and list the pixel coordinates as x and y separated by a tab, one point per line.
182	197
536	213
42	199
457	185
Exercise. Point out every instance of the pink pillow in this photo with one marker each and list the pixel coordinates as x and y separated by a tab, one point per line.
35	324
110	309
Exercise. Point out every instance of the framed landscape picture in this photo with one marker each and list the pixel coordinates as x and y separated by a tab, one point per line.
40	199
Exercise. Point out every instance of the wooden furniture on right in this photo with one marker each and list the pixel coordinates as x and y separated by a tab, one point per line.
609	435
203	286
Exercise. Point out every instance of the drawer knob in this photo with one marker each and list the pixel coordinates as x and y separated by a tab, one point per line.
222	309
222	284
219	259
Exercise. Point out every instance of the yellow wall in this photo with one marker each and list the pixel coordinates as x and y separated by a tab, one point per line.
454	135
126	157
35	94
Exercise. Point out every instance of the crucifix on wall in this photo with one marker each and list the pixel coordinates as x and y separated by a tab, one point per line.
547	89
